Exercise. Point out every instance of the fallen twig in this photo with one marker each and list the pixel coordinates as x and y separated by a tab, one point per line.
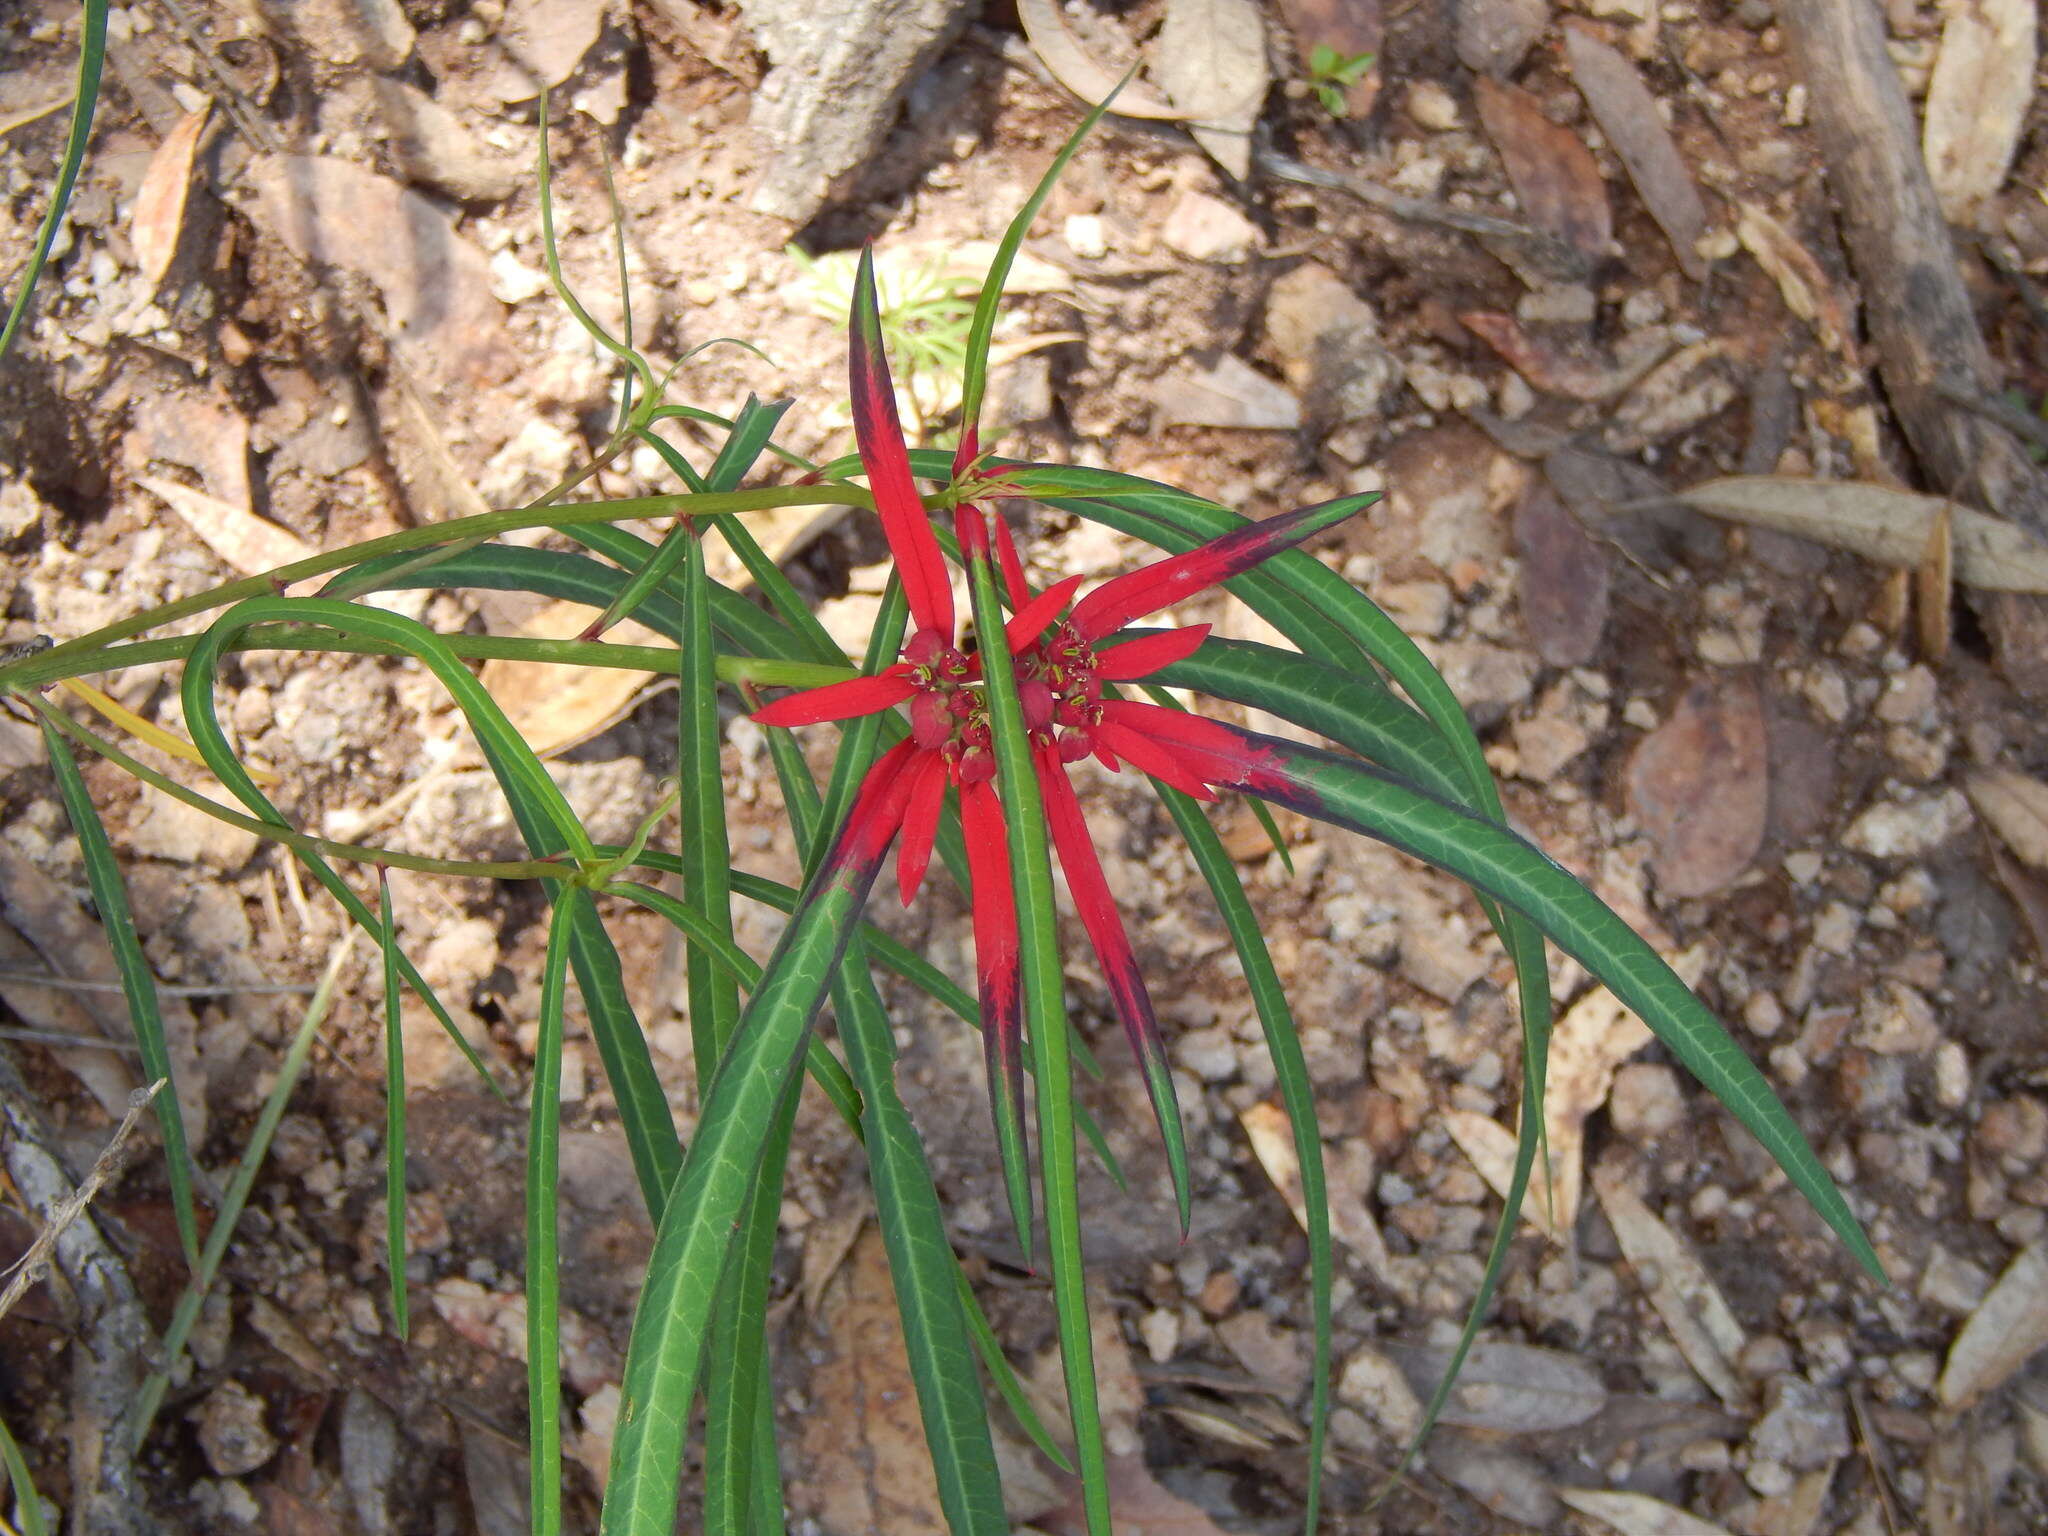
30	1266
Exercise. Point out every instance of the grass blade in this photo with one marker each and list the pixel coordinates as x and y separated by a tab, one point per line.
394	1111
543	1255
28	1504
92	56
236	1196
138	985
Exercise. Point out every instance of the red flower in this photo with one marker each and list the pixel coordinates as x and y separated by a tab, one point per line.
1062	665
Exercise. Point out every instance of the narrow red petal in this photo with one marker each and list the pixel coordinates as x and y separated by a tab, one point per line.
920	822
839	701
1165	582
1153	757
1105	925
1149	653
1008	563
1036	616
1002	1009
886	458
871	824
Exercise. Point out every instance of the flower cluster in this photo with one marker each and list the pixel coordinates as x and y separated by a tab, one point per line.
1068	657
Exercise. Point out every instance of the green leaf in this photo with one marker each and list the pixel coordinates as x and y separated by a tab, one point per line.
543	1255
713	998
92	54
1495	861
394	1110
1297	1093
138	986
1045	1025
28	1504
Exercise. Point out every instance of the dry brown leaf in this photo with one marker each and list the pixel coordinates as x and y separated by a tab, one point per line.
1879	523
1211	60
248	543
1949	1506
1142	1507
1074	66
1637	1514
2003	1334
1589	1044
1627	114
1677	1283
827	1242
1977	100
556	707
1699	786
863	1465
160	203
1802	282
435	284
1508	1389
1574	373
1349	1173
1797	1512
1556	180
1563	582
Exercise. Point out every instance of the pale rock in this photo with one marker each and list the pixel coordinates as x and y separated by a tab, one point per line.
1897	1020
1951	1075
1910	827
1545	744
231	1430
1086	236
1803	1426
1420	607
2013	1129
1489	680
1432	107
1160	1329
1211	1054
1645	1101
1494	35
1909	697
538	455
1953	1284
1374	1383
1273	1355
1327	342
171	829
460	956
1205	228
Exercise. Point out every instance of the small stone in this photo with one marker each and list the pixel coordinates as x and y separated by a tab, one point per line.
1219	1293
1211	1054
1419	607
1645	1101
185	834
1764	1014
1161	1333
1764	1355
1205	228
1910	827
1086	236
1273	1355
1375	1384
229	1421
1803	1426
1951	1075
1909	697
1433	107
1772	1479
2014	1129
1897	1020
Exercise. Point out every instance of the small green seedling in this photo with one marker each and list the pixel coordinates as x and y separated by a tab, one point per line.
1331	74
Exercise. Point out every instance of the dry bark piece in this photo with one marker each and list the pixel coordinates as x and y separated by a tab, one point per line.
1880	523
1073	65
1141	1505
1977	100
1507	1389
248	543
1627	114
1677	1283
1569	372
1934	585
1563	583
2009	1326
1556	180
433	145
1802	282
841	68
160	202
1637	1514
436	286
1699	787
1211	61
863	1464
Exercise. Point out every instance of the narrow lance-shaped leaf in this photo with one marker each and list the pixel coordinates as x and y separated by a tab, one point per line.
543	1258
1494	860
394	1109
138	985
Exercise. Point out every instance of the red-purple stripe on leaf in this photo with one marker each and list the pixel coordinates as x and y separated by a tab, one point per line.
997	976
1105	926
1165	582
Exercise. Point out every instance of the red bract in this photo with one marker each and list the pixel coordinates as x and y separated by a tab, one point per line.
1066	669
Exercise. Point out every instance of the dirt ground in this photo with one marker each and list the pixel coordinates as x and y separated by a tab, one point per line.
326	317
